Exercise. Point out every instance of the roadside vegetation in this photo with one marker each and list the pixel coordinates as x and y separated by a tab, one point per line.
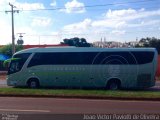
131	94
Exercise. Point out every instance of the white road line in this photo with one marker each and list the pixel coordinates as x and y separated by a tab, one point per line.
18	110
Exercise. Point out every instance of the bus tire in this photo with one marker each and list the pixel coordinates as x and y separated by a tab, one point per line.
33	83
113	84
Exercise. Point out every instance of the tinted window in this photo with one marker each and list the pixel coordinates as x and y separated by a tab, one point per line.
143	57
62	58
17	63
124	57
114	58
76	58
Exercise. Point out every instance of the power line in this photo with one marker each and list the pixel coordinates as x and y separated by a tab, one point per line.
98	5
95	9
147	8
90	6
121	3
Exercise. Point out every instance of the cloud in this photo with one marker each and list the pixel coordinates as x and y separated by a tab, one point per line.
29	6
7	1
41	21
127	18
117	21
2	2
112	24
145	23
31	36
22	22
118	32
27	30
131	14
54	3
54	37
120	13
121	24
109	23
74	7
24	6
78	27
5	30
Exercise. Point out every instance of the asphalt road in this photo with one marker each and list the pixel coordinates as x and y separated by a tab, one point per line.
52	106
76	106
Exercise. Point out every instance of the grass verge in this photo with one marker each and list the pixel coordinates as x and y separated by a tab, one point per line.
72	93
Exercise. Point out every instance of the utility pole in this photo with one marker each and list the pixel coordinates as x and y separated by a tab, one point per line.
12	15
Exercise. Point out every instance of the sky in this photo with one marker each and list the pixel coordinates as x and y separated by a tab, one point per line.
50	21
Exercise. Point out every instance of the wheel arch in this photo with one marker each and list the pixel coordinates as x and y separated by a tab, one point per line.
33	78
114	79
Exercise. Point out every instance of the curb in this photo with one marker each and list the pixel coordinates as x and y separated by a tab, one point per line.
81	97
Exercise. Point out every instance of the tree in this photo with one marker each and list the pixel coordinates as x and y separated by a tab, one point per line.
150	42
78	42
7	49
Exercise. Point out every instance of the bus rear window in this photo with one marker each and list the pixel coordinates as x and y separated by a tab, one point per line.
143	57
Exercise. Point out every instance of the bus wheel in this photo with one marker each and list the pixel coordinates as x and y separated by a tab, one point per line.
33	83
113	84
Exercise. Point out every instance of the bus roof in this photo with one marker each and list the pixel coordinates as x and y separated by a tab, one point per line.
82	49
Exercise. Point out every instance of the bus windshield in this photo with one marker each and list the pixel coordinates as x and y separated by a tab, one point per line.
17	62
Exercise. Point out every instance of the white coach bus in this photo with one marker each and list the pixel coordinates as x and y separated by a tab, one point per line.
111	68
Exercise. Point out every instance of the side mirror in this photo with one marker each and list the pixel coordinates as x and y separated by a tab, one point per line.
6	63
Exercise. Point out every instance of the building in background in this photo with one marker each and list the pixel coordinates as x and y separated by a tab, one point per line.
114	44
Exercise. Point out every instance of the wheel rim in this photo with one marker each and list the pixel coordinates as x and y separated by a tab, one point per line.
33	84
113	86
